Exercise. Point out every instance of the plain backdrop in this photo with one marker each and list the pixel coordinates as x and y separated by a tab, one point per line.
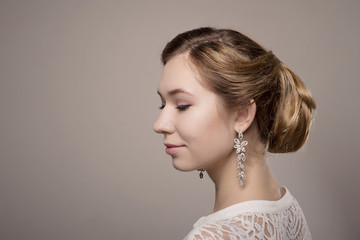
78	80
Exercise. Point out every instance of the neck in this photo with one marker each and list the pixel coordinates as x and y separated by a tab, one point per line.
259	183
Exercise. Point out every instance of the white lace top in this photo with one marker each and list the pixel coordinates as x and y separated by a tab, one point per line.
258	219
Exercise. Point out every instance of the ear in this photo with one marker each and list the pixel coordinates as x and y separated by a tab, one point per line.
245	116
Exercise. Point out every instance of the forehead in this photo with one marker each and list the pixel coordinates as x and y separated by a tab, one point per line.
178	73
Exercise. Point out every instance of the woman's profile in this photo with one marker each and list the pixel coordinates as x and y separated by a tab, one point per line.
226	101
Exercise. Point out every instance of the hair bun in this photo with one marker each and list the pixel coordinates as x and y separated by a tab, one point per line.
293	116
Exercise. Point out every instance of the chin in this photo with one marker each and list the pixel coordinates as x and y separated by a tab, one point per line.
182	166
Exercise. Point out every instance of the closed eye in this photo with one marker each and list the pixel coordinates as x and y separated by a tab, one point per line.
183	107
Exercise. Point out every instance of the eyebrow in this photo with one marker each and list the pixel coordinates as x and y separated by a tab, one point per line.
176	91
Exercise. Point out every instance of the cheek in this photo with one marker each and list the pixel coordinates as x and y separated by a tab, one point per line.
208	136
217	143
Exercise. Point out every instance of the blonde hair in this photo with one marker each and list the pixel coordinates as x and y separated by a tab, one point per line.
238	70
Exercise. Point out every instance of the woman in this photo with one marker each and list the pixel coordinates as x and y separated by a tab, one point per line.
225	102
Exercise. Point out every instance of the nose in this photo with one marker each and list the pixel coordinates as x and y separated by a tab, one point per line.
163	124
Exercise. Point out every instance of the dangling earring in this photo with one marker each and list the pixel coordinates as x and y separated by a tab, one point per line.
201	175
240	151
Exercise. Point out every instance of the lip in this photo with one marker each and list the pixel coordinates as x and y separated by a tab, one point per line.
171	149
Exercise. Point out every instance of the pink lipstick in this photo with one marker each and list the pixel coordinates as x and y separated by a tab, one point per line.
171	148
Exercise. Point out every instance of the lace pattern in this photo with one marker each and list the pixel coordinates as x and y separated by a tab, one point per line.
287	223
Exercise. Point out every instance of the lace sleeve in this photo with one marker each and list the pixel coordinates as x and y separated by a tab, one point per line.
288	224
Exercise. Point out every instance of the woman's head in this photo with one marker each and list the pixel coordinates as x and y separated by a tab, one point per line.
197	130
240	71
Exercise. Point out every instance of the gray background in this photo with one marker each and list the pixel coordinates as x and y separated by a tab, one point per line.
78	79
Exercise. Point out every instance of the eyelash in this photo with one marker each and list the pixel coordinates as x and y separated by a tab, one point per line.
180	107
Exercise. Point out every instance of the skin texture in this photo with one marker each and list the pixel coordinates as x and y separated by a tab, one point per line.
198	133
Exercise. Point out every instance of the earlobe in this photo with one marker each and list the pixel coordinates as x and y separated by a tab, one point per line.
245	116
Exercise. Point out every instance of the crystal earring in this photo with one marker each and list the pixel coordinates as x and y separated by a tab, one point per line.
201	175
240	151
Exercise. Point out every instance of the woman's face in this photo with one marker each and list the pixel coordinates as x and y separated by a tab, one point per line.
198	132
